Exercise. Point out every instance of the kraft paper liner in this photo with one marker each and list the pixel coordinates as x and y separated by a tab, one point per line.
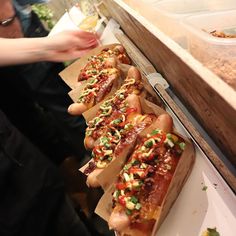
109	174
104	206
181	175
182	171
70	74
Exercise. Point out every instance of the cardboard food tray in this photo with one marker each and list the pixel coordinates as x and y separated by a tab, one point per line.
183	169
70	74
109	174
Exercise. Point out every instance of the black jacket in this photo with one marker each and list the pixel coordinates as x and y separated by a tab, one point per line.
31	190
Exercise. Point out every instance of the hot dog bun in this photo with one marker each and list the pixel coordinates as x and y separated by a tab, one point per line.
164	122
119	220
119	48
92	178
133	72
89	142
110	62
77	109
122	56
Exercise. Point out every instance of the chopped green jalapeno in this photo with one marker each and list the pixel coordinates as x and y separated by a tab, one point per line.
128	212
127	166
182	145
104	140
149	143
117	121
135	162
107	145
156	131
134	199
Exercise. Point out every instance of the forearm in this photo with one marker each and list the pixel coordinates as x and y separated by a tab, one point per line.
23	50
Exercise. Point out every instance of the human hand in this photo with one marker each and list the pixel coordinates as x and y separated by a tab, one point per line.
69	45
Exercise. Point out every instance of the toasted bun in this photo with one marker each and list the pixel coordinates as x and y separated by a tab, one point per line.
77	108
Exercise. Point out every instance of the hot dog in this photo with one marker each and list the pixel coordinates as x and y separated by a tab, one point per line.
144	180
103	151
94	91
122	135
100	123
101	61
128	141
122	56
125	97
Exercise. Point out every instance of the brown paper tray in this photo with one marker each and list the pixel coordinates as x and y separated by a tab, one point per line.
183	169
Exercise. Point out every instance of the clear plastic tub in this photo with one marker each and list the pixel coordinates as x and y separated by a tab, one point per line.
218	54
139	4
169	14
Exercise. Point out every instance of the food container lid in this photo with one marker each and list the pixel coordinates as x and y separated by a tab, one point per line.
180	8
201	25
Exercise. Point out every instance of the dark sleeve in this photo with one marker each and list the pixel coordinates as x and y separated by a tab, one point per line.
31	188
5	166
6	163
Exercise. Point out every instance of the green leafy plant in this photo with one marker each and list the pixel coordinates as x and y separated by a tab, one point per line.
45	14
211	232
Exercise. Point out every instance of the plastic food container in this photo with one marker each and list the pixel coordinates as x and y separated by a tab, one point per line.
152	1
141	5
218	54
170	13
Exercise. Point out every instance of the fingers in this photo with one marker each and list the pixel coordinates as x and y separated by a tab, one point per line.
68	40
68	55
85	34
88	44
85	39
